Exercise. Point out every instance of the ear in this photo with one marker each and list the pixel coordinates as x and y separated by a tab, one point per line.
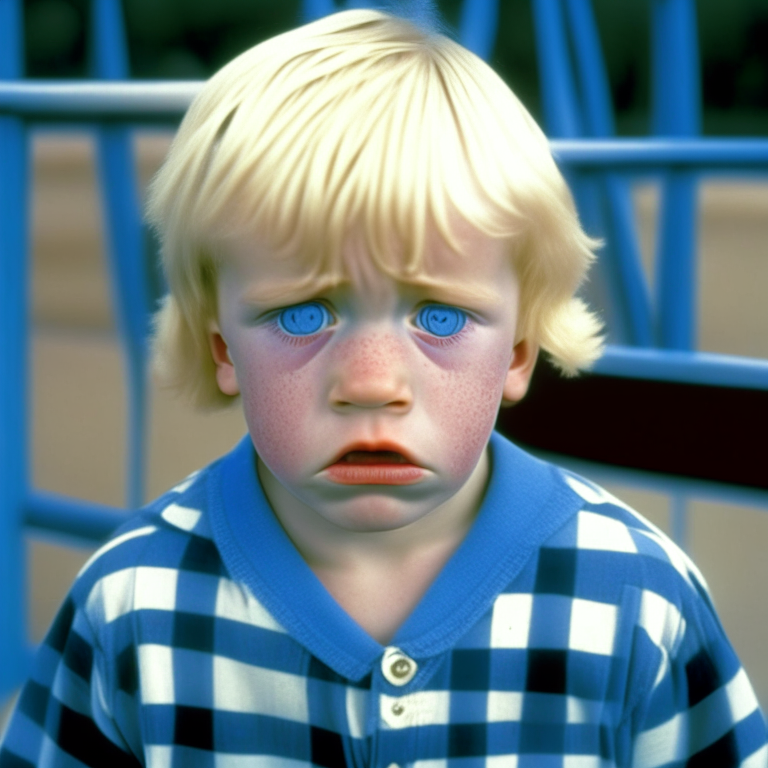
520	371
226	376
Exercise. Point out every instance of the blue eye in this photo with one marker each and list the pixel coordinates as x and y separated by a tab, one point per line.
441	320
304	319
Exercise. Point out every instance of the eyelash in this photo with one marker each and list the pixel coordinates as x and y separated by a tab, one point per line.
294	341
446	341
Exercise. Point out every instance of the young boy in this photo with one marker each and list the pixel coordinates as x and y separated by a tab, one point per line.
366	238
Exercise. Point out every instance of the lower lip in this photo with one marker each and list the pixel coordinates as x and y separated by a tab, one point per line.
374	474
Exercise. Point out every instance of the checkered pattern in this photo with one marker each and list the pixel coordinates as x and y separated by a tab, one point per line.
566	632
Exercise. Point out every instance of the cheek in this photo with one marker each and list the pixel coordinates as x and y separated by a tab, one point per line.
276	401
465	407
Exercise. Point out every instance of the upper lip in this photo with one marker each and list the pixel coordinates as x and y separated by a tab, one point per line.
375	446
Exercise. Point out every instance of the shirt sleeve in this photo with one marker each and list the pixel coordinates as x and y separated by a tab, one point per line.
63	716
697	707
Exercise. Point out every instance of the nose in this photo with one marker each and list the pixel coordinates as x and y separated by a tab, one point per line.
371	372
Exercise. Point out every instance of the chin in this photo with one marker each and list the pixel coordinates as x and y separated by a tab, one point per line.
374	515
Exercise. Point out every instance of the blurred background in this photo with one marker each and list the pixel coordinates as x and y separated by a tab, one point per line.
78	399
174	39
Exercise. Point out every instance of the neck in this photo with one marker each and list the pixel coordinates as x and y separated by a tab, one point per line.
378	577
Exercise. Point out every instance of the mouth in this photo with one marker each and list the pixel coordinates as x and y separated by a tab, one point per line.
374	465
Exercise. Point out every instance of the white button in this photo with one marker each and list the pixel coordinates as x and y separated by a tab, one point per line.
393	765
397	708
398	668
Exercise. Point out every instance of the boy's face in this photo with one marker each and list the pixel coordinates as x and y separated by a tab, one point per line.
371	401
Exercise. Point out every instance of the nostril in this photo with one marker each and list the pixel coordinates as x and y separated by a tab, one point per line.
371	393
370	402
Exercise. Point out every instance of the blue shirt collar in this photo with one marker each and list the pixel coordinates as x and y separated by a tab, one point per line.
525	503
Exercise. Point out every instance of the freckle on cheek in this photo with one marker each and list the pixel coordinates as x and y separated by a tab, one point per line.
467	408
273	413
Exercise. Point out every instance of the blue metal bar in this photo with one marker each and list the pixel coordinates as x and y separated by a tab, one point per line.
11	40
73	517
563	119
661	154
14	364
590	70
684	366
631	305
97	101
562	113
604	204
478	26
130	279
676	273
676	88
14	403
676	112
109	48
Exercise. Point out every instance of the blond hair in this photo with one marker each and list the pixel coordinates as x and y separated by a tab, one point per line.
362	120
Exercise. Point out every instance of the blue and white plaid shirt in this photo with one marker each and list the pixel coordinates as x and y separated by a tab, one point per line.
566	632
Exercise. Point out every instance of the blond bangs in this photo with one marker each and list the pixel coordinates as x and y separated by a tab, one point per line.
332	141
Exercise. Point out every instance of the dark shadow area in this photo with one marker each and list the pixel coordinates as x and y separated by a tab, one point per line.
694	431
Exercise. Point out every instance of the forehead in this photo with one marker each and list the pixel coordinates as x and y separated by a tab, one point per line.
472	267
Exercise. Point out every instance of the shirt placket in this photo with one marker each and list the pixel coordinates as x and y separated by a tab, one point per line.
394	737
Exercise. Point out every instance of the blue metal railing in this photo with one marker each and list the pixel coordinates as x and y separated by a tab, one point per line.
130	298
127	259
676	112
14	361
576	104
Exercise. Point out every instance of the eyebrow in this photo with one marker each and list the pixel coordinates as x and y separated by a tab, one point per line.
292	291
453	292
